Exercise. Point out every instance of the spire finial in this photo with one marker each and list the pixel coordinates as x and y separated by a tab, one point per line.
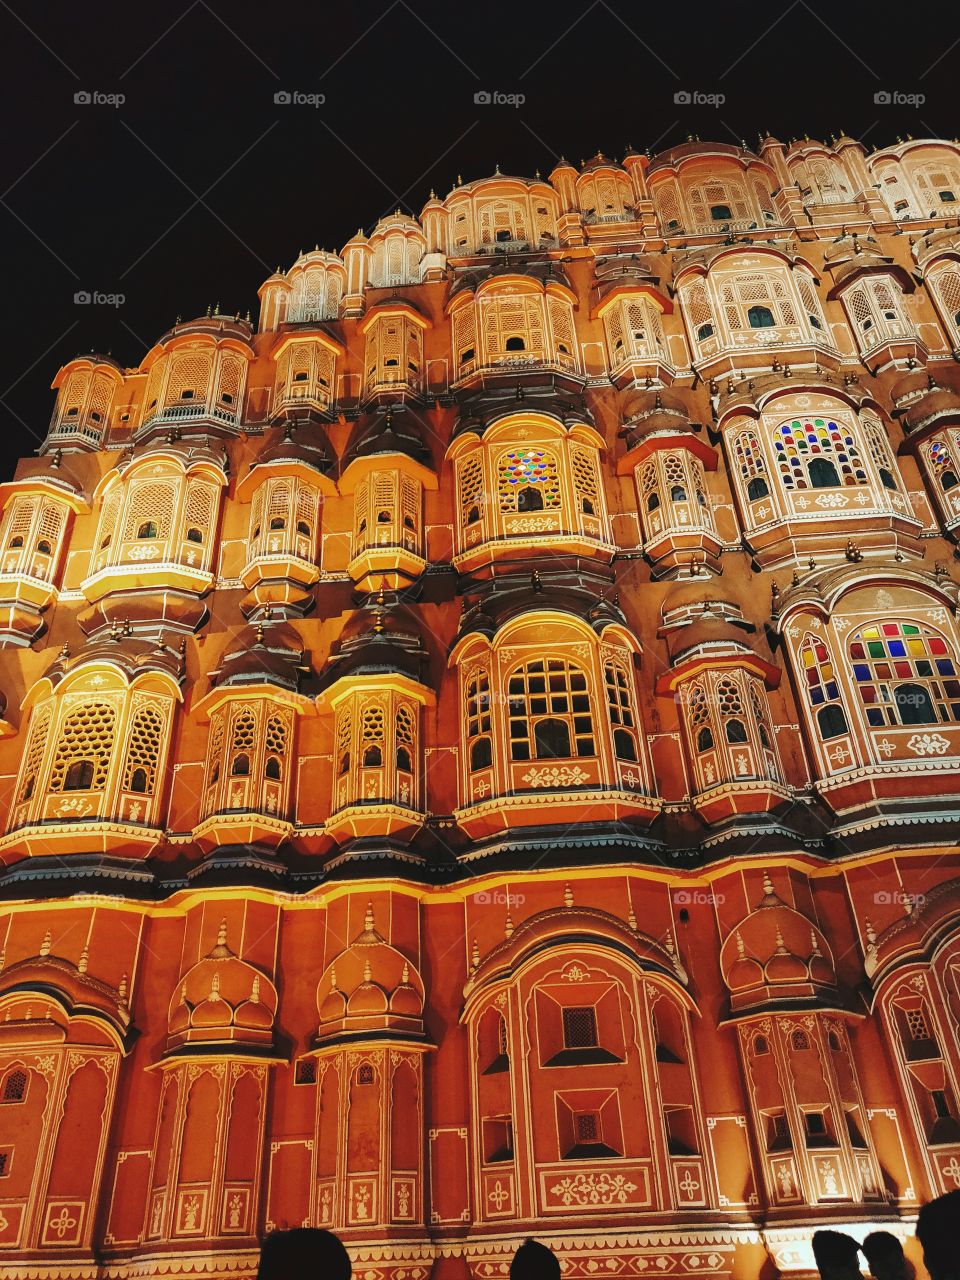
508	925
255	990
84	959
741	949
46	944
567	896
367	971
368	917
474	957
222	933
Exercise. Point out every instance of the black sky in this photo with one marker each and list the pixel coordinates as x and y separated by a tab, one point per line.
199	184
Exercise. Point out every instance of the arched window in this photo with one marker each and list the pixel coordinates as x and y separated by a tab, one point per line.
760	318
551	692
84	748
800	443
373	757
530	475
272	769
620	710
944	460
735	731
831	721
148	529
79	776
14	1086
478	721
241	765
905	674
751	464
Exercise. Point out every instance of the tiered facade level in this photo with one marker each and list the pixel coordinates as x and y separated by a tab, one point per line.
482	748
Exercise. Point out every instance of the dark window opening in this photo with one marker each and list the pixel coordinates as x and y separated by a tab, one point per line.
79	776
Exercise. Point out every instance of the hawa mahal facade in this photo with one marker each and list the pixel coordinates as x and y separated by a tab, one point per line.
481	747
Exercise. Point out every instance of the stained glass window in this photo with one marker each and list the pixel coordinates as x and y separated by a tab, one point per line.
944	467
802	447
752	464
905	674
523	470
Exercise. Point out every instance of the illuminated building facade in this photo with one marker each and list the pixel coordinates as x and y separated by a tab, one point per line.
481	748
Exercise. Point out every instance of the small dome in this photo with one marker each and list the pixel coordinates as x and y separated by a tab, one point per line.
745	971
180	1018
406	1000
366	999
214	1010
334	1005
784	966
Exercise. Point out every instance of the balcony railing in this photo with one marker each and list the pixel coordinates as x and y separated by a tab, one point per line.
193	412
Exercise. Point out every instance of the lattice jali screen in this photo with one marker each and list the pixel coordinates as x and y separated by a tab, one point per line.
86	736
189	373
146	735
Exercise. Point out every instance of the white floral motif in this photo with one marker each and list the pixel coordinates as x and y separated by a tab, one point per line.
832	500
593	1188
563	776
927	744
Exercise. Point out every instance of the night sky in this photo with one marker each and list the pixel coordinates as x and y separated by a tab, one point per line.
192	190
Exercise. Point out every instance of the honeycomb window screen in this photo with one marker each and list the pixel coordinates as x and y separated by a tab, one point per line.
464	340
14	1088
145	741
33	757
586	481
372	736
215	766
563	349
905	674
817	453
810	302
945	285
344	737
881	455
189	379
667	201
150	505
528	479
406	737
698	311
918	1028
580	1027
230	381
198	512
470	483
549	711
84	749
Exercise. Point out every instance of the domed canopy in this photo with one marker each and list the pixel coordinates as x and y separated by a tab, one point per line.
396	431
370	989
223	1003
383	637
268	653
776	954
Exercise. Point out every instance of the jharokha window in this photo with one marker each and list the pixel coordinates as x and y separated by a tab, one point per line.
822	688
528	480
905	675
817	453
550	711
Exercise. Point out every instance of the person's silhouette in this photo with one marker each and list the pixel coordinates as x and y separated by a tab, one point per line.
306	1253
836	1255
884	1255
534	1261
938	1233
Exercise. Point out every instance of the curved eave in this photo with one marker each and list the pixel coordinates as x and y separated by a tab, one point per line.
261	471
265	688
307	333
654	443
362	466
688	668
77	502
397	307
617	291
343	686
900	274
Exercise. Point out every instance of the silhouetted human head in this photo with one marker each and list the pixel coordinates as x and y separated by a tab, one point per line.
534	1261
938	1230
884	1253
306	1253
837	1255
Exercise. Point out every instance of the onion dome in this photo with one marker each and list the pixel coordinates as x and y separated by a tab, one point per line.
215	324
381	638
910	386
537	394
195	452
776	954
563	166
651	414
744	971
223	1002
370	989
396	219
268	653
599	161
700	618
629	272
397	431
358	239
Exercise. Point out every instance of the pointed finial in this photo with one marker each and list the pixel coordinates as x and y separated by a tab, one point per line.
567	896
222	933
814	944
333	977
367	971
84	959
869	932
535	580
741	949
669	944
632	917
405	974
122	991
45	944
255	990
474	957
368	924
214	988
508	925
781	948
768	885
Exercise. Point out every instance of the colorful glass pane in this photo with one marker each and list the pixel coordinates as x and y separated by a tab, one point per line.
882	655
